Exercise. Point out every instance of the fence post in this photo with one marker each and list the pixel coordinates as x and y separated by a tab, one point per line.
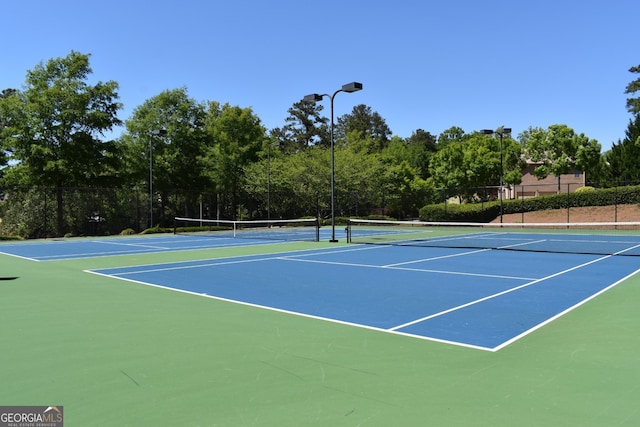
522	207
44	213
568	203
444	192
615	204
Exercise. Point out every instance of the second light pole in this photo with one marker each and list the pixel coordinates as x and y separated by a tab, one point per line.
501	131
155	132
315	97
271	144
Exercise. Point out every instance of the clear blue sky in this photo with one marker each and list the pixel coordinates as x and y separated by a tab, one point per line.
424	64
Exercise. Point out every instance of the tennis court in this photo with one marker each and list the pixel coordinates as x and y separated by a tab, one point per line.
228	331
231	236
65	249
453	295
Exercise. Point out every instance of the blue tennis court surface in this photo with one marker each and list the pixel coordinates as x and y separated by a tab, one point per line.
52	250
61	249
483	299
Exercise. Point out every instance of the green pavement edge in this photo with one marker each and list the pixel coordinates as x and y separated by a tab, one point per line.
120	353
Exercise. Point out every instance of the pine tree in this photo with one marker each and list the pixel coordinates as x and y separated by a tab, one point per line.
633	104
624	155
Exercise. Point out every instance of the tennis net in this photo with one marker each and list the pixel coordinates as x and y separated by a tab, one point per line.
303	229
597	238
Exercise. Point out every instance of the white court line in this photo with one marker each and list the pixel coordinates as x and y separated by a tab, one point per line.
562	313
298	258
20	256
434	258
220	261
147	250
489	297
419	270
233	259
114	243
533	242
187	267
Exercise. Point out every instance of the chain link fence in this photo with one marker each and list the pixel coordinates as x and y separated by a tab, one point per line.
489	203
40	212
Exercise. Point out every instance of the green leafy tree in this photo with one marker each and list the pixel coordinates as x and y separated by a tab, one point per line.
359	180
509	154
55	127
406	191
453	134
300	182
421	147
414	151
238	137
447	168
9	110
398	150
633	103
474	162
559	150
295	181
170	128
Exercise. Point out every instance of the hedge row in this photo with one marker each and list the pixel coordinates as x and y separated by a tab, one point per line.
487	211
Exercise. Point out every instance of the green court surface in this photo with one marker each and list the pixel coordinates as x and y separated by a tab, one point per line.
117	353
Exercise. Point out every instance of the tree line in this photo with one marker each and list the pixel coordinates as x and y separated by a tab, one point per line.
191	158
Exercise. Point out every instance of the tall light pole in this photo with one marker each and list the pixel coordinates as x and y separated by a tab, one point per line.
274	144
315	97
155	132
501	131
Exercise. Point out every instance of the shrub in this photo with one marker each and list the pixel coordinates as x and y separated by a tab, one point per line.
584	189
485	212
10	237
157	230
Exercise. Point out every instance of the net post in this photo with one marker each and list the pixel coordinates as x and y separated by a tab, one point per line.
348	230
317	229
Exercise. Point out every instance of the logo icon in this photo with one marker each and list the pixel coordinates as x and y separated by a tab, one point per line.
32	416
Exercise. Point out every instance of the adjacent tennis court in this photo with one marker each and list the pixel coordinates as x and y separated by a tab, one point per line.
64	249
251	331
219	234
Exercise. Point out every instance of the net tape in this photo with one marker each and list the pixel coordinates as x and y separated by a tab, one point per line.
597	238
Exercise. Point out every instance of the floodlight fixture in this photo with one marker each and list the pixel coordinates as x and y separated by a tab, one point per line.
352	87
314	97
